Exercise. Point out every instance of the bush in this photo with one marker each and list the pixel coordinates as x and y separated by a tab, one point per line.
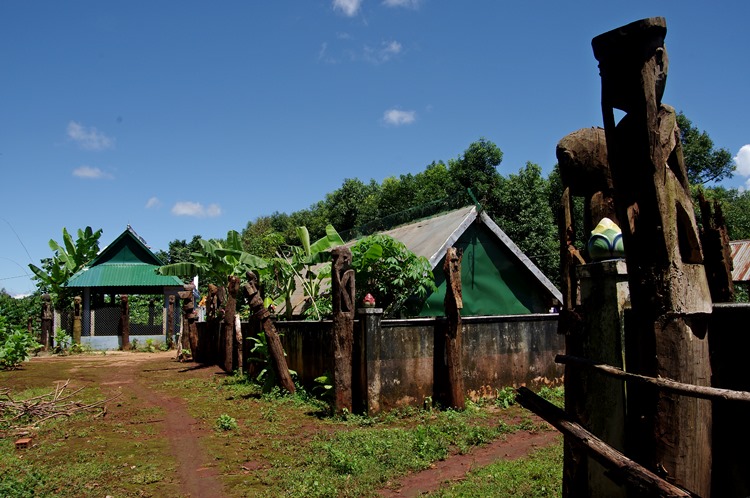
15	346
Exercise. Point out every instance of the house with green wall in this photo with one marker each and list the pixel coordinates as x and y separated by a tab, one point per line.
496	277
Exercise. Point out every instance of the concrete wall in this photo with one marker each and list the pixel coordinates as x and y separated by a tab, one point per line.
111	342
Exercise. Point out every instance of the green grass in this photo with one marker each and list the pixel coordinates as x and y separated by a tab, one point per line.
259	443
538	475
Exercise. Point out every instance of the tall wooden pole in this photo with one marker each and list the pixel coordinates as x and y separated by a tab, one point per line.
124	324
342	292
275	350
233	286
669	434
453	304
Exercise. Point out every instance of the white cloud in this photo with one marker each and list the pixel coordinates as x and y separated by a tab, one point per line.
742	160
91	173
153	202
397	117
89	138
411	4
196	209
382	54
348	7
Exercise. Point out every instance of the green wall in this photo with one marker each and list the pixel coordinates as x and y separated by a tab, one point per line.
493	281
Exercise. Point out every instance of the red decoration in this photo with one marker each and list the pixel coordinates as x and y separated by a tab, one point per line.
369	301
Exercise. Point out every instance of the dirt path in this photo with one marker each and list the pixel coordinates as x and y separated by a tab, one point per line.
455	468
133	375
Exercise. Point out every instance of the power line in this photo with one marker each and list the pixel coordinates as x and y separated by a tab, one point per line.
19	239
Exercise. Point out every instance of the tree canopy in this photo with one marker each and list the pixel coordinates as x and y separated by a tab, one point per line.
704	163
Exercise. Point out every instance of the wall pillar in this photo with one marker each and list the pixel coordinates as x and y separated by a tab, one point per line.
595	400
367	359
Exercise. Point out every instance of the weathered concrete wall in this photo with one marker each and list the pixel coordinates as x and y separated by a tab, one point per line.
402	362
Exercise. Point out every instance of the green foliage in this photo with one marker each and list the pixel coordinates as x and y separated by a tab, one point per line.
216	260
476	169
735	206
69	257
524	214
261	354
15	345
18	310
385	268
555	395
506	397
704	163
226	423
62	342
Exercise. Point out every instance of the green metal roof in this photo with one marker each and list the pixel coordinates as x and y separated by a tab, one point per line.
122	275
126	262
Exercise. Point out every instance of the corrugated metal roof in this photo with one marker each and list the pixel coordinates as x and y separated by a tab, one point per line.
122	275
740	260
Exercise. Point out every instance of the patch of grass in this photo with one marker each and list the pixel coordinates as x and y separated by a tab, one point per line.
537	475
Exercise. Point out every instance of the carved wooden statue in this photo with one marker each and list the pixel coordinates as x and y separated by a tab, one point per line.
77	313
342	294
124	324
453	304
276	351
228	335
47	318
671	435
170	319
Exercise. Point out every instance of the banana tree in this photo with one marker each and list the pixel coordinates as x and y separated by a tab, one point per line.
69	257
222	264
307	264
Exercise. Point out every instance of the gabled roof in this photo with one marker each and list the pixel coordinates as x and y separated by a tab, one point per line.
126	262
432	237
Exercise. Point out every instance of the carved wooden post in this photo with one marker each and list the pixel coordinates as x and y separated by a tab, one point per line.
233	286
342	294
275	350
453	304
189	339
77	320
170	320
30	325
124	325
670	435
47	318
716	251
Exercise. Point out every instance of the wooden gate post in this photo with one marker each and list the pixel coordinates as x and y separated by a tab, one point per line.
170	320
670	434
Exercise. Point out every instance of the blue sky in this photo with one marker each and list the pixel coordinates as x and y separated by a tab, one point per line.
184	118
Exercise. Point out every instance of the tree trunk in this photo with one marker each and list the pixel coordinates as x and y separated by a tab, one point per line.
453	305
238	342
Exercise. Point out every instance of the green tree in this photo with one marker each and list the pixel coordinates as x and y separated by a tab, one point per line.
261	238
704	163
735	206
385	268
180	250
525	216
354	203
476	169
69	257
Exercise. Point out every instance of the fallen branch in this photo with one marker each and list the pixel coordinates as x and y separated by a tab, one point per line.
35	410
702	392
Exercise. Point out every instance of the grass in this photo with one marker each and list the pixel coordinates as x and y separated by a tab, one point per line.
259	444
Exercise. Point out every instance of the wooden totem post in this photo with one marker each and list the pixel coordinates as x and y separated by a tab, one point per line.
189	339
77	320
170	320
716	251
275	350
342	292
453	304
233	287
670	434
47	318
124	324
